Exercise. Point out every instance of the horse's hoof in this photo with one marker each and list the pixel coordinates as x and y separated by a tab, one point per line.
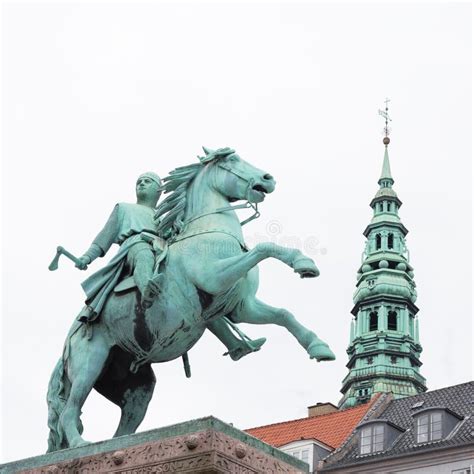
305	267
79	443
245	348
320	351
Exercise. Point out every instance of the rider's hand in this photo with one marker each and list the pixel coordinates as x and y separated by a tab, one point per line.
83	262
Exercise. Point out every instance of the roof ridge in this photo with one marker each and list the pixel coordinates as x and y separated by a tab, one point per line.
437	390
369	404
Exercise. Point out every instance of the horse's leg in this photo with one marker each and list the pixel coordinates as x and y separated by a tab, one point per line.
135	400
220	274
254	311
86	361
131	393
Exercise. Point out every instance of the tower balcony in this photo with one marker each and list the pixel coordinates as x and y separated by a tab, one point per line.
387	371
385	282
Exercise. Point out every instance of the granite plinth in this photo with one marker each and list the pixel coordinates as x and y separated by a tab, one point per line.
206	445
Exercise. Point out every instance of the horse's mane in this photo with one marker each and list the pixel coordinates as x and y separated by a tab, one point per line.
170	213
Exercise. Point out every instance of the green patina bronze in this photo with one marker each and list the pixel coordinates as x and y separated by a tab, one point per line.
384	349
202	276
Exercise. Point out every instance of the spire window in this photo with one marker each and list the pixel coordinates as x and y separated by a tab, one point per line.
390	241
378	242
392	321
373	321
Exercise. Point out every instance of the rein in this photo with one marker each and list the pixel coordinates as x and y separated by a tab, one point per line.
247	205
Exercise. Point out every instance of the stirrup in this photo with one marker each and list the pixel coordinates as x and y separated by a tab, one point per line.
246	347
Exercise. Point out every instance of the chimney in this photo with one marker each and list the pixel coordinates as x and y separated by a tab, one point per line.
321	409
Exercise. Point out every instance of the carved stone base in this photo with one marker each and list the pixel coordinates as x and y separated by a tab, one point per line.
201	446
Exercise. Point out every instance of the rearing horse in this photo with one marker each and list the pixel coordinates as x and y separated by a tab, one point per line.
208	274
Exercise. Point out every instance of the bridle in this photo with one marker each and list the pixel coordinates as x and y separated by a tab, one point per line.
247	205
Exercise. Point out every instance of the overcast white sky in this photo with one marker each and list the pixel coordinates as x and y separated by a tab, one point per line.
95	94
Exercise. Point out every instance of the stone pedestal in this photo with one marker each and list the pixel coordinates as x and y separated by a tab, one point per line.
200	446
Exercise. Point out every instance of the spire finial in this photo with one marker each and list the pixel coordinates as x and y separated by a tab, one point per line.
386	130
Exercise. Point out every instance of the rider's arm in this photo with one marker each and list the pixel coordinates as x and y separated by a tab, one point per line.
105	238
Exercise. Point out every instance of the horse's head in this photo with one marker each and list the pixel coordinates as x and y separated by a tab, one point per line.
237	179
224	173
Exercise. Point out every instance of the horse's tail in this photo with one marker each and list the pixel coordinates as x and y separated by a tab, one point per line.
56	399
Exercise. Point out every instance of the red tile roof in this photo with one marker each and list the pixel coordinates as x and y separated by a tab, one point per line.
331	428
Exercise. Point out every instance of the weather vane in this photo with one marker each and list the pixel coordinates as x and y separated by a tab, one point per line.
386	130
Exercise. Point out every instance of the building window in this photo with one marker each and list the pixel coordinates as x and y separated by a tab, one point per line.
363	392
390	241
371	439
373	321
302	454
392	321
411	323
378	242
429	427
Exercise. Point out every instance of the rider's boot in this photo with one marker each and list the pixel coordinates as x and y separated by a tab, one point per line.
246	347
151	290
236	348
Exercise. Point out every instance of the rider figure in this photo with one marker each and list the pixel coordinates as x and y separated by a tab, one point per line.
133	227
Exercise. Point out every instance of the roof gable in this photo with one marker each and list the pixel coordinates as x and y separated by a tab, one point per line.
402	412
331	429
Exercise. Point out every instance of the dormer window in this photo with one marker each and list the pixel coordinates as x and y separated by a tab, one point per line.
371	439
377	435
428	427
434	423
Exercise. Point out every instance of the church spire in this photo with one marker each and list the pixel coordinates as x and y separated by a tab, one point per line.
386	175
384	348
386	179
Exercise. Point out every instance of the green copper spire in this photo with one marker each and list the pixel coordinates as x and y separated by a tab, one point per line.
386	176
384	348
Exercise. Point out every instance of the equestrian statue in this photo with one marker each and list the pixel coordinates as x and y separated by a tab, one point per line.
182	267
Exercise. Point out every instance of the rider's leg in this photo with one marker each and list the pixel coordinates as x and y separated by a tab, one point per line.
237	348
254	311
142	259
